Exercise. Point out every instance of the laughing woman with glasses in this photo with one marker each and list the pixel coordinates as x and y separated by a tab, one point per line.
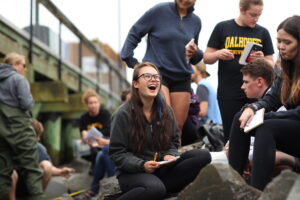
143	127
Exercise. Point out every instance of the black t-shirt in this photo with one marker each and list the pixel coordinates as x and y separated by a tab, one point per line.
101	122
229	35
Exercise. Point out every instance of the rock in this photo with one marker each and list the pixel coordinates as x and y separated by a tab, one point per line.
295	191
109	188
280	186
218	182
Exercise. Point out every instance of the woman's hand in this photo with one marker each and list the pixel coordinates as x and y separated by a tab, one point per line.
246	117
102	141
168	157
83	134
150	166
98	142
191	50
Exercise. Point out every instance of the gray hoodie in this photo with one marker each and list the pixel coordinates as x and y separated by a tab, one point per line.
14	88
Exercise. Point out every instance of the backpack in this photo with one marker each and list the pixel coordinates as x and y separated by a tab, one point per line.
213	136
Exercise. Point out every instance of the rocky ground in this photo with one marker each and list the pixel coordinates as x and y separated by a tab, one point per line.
217	181
80	180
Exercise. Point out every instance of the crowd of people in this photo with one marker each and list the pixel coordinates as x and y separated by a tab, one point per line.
160	112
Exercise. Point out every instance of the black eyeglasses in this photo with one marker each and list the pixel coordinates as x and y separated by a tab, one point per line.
149	77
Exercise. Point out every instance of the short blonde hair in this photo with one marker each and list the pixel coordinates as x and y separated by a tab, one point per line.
89	93
201	67
13	58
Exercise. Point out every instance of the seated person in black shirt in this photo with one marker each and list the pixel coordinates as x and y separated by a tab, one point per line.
97	117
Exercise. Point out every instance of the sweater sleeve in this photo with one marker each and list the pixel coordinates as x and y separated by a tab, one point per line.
24	95
136	33
197	57
293	114
119	142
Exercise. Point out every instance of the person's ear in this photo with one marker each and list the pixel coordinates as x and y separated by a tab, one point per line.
135	84
260	81
242	10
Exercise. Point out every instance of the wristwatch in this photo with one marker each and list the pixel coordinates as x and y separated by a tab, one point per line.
253	106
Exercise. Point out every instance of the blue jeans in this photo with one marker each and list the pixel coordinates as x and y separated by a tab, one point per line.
103	164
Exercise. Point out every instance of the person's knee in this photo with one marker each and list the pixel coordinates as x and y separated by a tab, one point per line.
105	150
155	191
99	155
203	156
200	156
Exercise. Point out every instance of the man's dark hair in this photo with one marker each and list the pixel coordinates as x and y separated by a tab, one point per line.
245	4
260	68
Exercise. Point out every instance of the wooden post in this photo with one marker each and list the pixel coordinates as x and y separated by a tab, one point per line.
52	136
70	131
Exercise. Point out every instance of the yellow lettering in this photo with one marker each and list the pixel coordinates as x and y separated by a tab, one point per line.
227	43
232	42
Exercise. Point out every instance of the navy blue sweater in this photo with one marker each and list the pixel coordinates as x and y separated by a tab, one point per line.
168	34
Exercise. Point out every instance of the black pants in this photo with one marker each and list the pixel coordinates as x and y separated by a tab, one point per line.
167	179
280	134
189	132
228	109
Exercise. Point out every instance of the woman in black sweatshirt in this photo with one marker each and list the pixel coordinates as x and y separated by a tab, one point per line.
144	133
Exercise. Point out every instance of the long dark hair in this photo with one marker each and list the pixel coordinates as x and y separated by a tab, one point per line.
160	118
290	89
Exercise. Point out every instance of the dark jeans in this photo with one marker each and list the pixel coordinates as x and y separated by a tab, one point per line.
167	179
103	164
280	134
92	156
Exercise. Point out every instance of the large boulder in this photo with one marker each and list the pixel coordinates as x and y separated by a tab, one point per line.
110	188
218	182
281	187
